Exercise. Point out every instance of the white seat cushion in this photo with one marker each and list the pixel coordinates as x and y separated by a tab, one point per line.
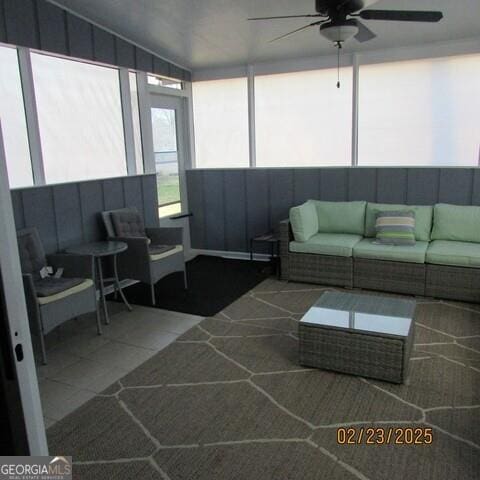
173	251
87	283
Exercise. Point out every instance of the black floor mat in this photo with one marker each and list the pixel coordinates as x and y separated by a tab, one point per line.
213	283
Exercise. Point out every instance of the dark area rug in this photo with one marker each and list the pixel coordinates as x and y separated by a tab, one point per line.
213	283
229	401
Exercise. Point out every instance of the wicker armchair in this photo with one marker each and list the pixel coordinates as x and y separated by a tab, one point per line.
52	301
152	254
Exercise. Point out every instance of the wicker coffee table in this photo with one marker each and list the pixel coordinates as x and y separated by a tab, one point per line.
366	335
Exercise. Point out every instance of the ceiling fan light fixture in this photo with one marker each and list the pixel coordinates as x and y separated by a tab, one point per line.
338	33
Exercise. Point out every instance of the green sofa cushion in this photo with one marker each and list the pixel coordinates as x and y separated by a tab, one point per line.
395	253
423	218
338	244
460	254
341	217
304	221
456	222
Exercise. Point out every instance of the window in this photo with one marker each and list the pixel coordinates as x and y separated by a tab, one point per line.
13	123
303	119
137	133
220	112
80	119
422	112
164	82
164	128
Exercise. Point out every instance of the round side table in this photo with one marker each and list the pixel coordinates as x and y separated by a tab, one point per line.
100	250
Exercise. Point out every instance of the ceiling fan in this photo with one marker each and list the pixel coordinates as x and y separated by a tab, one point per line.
337	26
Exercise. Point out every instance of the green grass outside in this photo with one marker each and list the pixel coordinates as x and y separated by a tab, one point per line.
168	189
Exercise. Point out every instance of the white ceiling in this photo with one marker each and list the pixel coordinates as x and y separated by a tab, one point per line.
200	34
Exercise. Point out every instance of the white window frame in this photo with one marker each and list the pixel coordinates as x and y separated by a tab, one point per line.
356	60
144	90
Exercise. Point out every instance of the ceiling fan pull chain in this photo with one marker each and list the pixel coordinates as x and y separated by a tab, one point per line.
339	46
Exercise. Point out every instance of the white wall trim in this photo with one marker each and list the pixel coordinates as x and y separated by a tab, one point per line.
161	90
31	115
145	123
355	100
252	144
128	133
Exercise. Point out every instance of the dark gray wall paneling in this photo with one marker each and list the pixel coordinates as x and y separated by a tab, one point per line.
42	25
103	46
150	200
39	211
423	185
91	199
334	184
21	23
235	213
113	196
258	217
197	207
161	67
280	194
362	184
125	53
455	186
69	214
306	184
3	27
249	202
132	192
214	210
143	60
52	39
476	188
17	205
392	185
80	37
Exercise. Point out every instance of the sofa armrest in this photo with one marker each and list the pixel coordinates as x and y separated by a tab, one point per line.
165	236
285	232
80	266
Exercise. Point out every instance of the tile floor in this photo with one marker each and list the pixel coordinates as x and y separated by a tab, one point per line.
81	363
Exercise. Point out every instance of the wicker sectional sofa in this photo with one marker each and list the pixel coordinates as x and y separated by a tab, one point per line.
337	247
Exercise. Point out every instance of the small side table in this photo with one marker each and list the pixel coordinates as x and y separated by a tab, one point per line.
273	239
100	250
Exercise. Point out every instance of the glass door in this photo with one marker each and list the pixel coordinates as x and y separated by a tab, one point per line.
169	129
168	147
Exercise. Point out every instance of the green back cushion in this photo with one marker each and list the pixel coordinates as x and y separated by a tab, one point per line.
304	221
341	217
395	228
455	222
423	218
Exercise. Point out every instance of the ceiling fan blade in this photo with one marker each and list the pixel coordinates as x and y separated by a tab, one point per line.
297	30
401	15
287	16
364	33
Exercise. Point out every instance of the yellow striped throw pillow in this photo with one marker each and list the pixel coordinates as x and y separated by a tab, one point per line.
395	228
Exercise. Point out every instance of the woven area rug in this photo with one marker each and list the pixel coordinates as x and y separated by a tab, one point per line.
228	401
